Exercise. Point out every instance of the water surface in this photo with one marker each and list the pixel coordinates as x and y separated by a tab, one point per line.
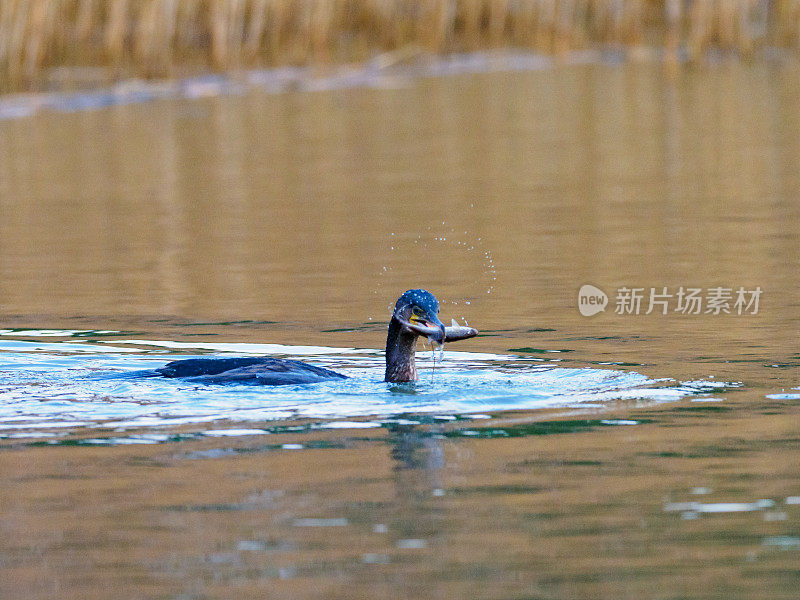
554	456
55	389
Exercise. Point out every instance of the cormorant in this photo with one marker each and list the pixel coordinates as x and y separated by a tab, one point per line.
414	315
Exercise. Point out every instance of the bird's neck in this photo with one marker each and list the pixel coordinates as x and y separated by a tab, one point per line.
400	346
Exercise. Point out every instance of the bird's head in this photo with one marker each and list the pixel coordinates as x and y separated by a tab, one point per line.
418	311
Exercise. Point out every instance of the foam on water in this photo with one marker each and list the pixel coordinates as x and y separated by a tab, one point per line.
59	387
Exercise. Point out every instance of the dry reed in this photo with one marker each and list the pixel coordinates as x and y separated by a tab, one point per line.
168	37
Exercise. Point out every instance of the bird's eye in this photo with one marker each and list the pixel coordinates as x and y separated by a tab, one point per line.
417	311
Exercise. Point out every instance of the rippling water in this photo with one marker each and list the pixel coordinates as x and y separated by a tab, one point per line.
54	388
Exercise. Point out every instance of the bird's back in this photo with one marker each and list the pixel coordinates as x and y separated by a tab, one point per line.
256	370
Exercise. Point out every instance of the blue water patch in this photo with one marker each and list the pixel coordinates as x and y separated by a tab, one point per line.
56	387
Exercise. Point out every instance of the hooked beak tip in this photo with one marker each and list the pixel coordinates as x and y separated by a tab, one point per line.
439	334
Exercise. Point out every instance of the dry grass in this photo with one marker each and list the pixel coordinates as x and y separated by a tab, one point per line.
167	37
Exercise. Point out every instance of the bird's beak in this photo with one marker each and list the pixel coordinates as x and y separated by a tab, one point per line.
430	326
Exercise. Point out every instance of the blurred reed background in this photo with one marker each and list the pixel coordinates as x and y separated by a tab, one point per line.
43	40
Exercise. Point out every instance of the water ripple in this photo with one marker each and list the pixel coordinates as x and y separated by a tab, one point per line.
60	386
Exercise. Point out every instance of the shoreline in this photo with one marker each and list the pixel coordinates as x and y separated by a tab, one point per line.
391	69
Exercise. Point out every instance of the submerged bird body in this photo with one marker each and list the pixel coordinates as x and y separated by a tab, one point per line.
414	315
257	369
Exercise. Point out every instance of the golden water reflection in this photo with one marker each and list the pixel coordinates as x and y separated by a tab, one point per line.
503	193
289	207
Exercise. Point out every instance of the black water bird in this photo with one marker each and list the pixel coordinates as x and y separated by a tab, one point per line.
415	315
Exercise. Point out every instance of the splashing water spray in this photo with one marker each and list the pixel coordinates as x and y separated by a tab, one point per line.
445	238
434	343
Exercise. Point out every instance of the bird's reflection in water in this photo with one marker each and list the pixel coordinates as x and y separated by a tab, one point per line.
418	519
417	452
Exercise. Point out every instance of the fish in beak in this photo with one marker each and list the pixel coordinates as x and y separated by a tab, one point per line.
432	328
